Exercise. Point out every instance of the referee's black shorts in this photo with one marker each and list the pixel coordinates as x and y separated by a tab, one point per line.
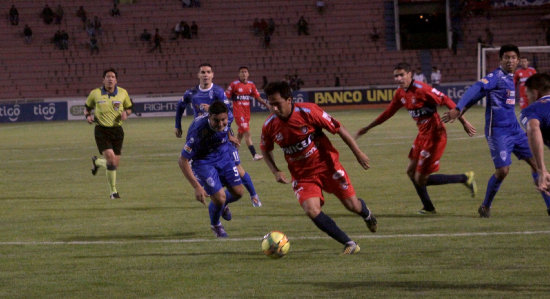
109	138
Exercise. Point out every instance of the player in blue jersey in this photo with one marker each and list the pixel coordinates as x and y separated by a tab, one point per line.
502	130
200	98
206	163
535	118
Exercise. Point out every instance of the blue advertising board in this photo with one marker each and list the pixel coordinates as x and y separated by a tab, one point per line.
33	112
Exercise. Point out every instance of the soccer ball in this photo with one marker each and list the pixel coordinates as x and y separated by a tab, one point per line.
275	244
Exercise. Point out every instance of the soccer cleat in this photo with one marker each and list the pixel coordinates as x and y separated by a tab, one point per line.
484	212
471	183
114	195
426	212
226	214
371	222
257	157
94	168
351	248
219	230
256	201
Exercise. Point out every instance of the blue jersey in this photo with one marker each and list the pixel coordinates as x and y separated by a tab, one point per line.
196	97
539	110
498	88
204	145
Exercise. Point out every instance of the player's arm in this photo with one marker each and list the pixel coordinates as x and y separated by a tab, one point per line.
200	194
470	97
127	108
262	101
89	107
279	175
179	113
388	113
443	99
359	155
536	143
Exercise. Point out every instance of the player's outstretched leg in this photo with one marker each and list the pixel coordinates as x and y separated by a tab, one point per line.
492	188
326	224
254	198
466	178
544	196
428	207
368	216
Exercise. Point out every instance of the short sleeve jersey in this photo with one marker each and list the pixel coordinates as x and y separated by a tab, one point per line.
307	149
197	97
241	94
108	106
204	145
421	100
521	75
539	110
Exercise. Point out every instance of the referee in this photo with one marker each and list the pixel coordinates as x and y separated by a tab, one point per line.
111	105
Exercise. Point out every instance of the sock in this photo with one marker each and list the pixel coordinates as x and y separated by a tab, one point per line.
252	150
111	179
326	224
442	179
364	211
492	188
424	197
229	198
215	213
247	182
544	196
101	162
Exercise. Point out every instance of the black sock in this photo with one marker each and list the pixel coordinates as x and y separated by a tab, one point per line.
252	150
441	179
364	211
326	224
424	197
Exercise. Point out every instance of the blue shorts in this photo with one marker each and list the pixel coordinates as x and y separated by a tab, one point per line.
214	176
502	144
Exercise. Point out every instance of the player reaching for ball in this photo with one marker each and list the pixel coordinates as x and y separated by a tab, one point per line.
312	160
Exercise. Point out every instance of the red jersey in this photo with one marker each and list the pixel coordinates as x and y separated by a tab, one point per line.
520	76
241	94
307	149
421	100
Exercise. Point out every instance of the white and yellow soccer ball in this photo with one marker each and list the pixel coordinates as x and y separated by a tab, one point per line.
275	244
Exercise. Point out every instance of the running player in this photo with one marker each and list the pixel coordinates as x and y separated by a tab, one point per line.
200	98
421	100
312	159
206	163
502	130
520	76
241	92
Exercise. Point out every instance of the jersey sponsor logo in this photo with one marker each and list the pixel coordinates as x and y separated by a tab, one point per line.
187	148
420	112
298	147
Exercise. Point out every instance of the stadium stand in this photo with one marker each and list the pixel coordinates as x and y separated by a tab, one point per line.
339	44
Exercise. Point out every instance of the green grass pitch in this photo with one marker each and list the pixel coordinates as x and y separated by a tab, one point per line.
60	235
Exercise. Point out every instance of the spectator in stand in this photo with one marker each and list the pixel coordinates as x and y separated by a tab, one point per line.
157	39
520	76
435	77
265	82
90	27
419	76
47	14
57	39
59	13
145	36
93	45
267	40
489	37
263	27
186	31
194	30
27	33
81	14
256	27
177	30
14	16
185	3
374	36
64	40
196	3
337	81
320	6
115	12
303	26
97	25
270	26
296	82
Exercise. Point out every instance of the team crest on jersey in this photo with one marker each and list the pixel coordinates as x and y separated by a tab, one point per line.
413	100
403	101
191	140
503	155
304	129
279	136
240	89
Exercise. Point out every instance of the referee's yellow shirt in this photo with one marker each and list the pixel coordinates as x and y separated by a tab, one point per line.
108	106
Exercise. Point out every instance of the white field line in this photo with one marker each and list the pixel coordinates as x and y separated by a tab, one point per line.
356	237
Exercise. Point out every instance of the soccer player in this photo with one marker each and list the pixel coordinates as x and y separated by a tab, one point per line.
421	100
536	120
206	163
312	159
241	92
111	106
200	98
520	76
502	130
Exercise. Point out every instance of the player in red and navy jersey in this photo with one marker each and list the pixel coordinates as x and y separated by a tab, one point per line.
421	100
242	92
312	160
520	76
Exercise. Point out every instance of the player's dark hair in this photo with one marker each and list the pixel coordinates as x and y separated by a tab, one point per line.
403	66
280	87
205	64
539	82
217	108
508	48
243	67
110	70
